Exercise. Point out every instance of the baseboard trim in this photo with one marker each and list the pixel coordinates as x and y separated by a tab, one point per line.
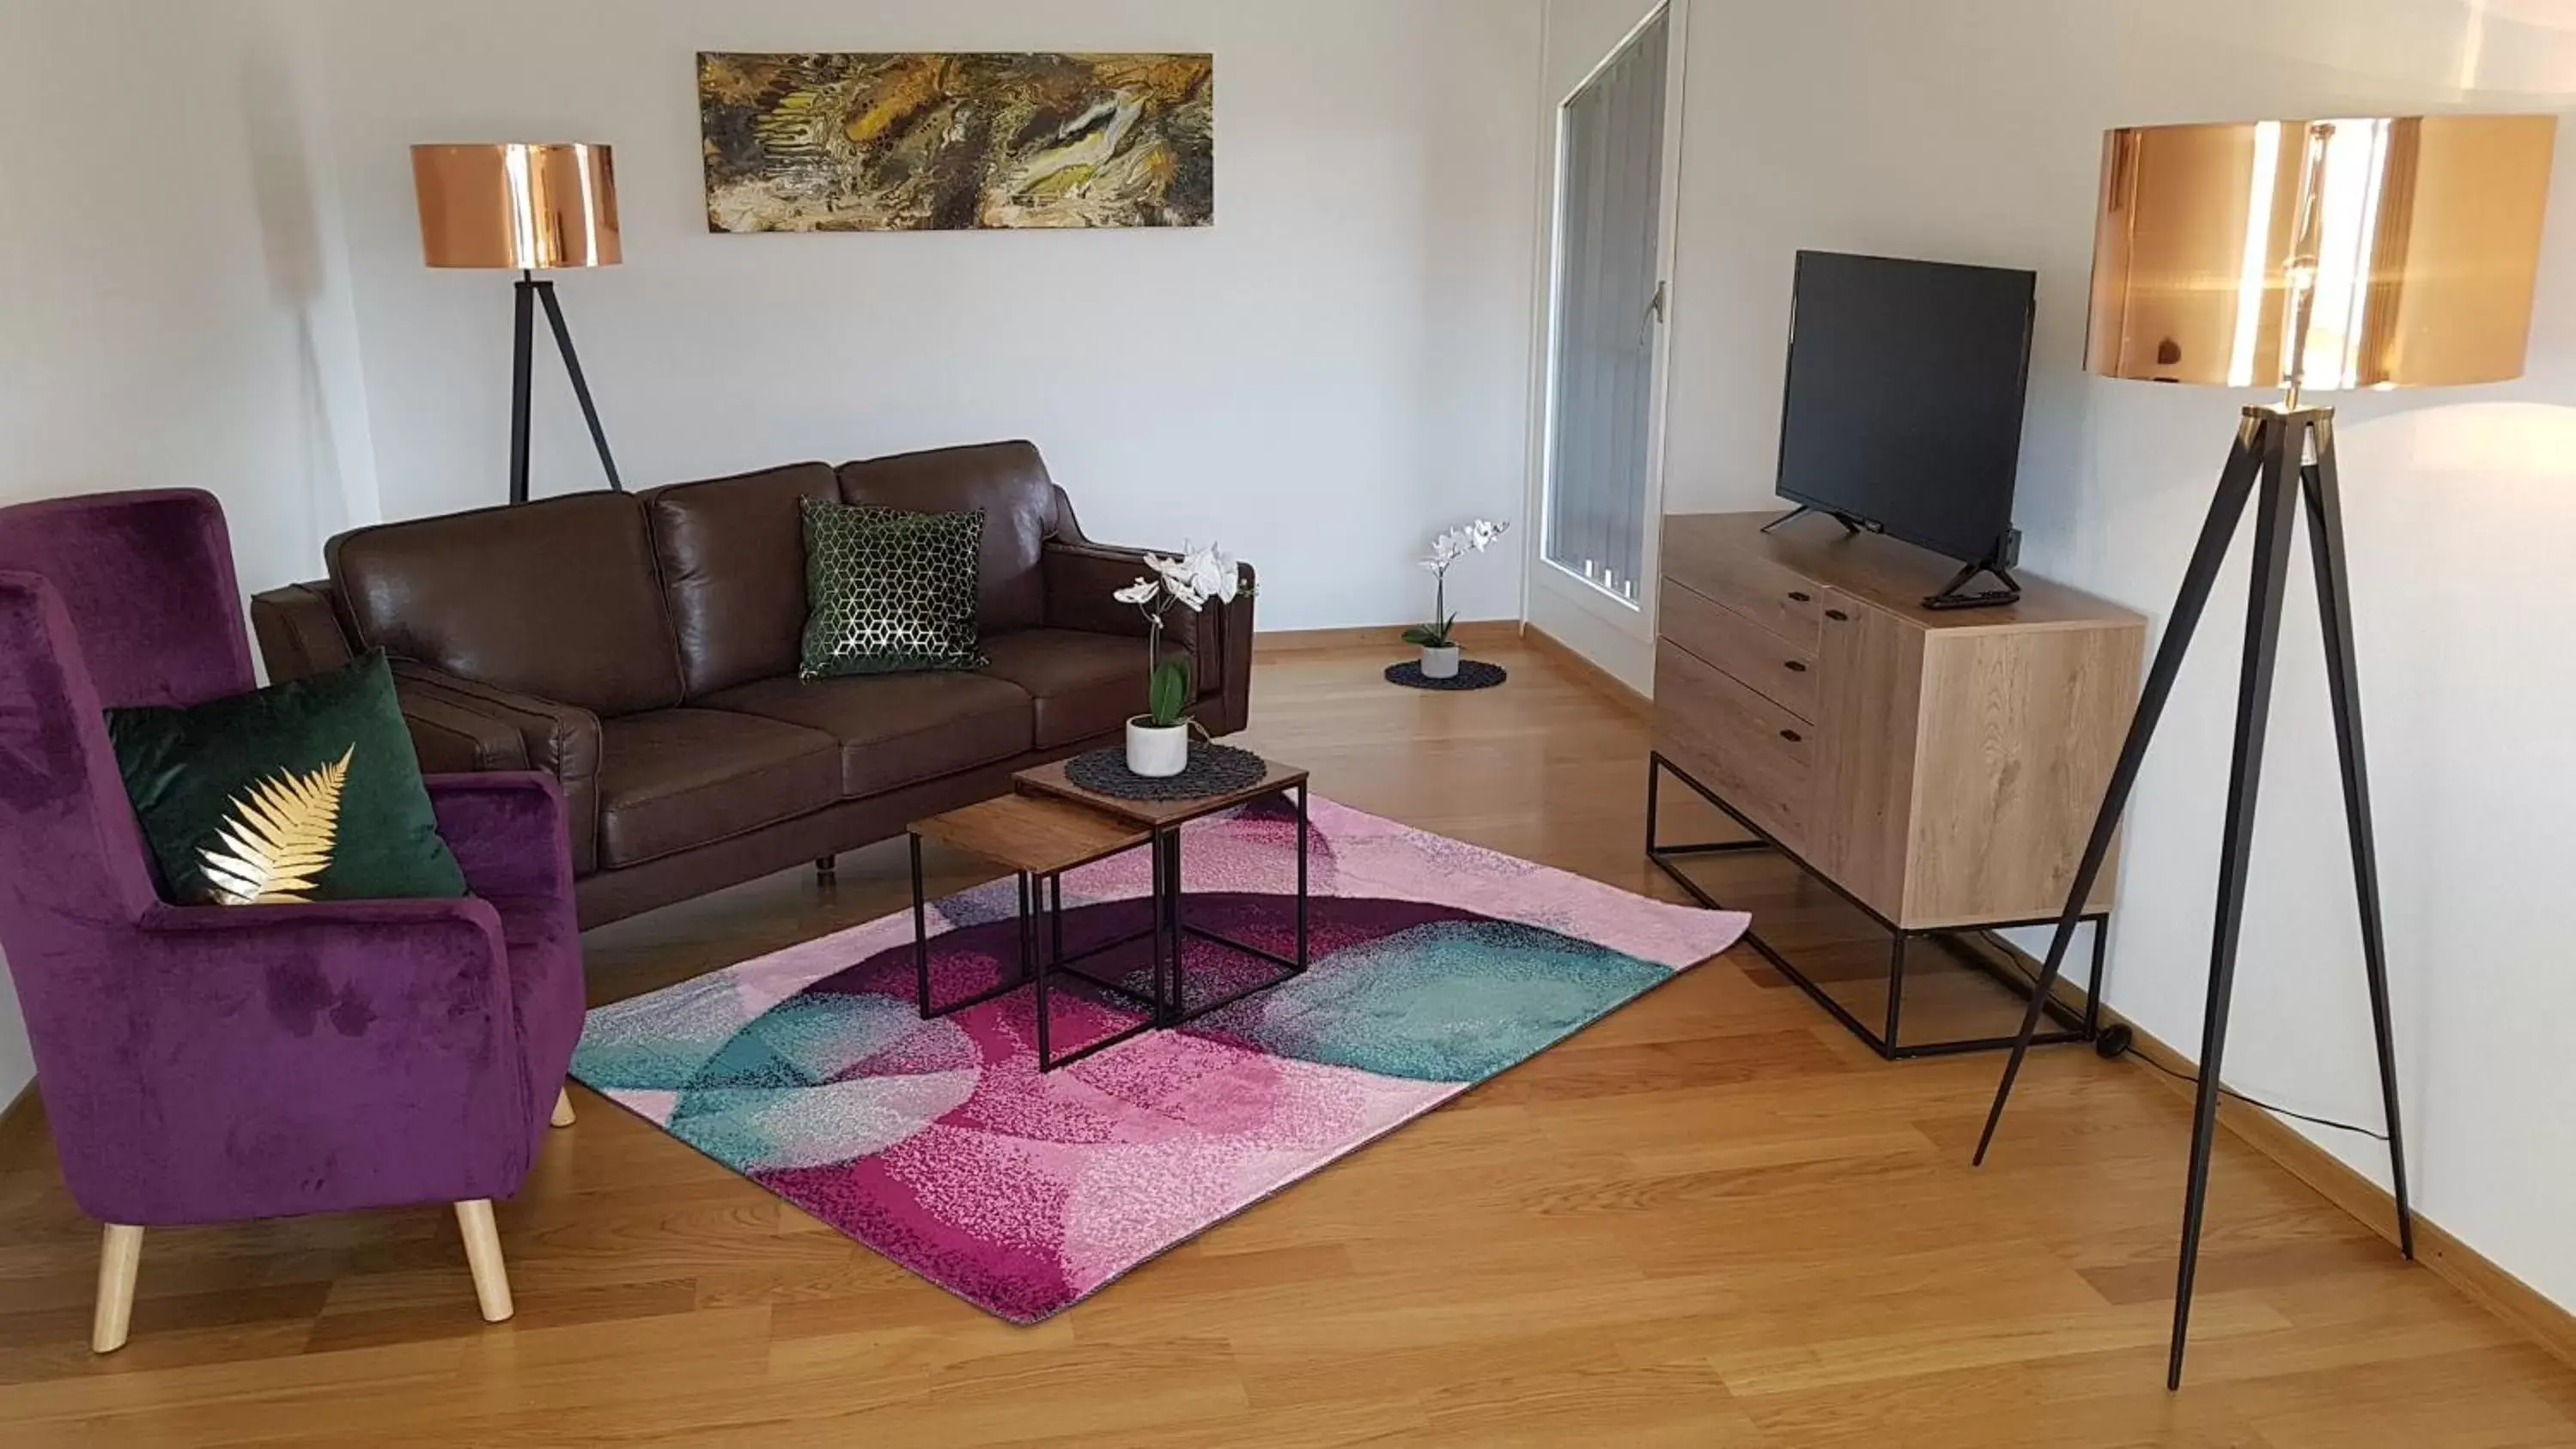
1601	680
1471	634
22	1121
2478	1277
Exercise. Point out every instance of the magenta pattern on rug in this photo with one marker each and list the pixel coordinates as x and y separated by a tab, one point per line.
938	1143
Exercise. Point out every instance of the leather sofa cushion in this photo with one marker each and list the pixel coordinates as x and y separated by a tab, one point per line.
555	598
732	552
1083	684
897	729
676	778
1009	482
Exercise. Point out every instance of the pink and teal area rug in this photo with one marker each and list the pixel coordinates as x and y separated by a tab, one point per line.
1436	965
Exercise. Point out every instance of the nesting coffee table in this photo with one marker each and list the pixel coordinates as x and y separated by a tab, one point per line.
1050	825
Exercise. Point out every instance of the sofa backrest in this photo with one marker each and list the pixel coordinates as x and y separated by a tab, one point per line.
557	598
1009	482
732	554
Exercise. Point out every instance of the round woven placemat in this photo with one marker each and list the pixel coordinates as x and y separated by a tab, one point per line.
1212	770
1472	674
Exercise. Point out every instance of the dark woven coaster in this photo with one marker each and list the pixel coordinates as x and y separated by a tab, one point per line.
1213	770
1472	674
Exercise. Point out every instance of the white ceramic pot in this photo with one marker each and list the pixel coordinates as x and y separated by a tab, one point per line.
1441	662
1157	751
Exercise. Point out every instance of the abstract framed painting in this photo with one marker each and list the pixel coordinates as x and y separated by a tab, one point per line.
956	142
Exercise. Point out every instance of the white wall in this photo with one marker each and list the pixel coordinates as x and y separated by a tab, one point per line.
1969	130
1323	379
173	313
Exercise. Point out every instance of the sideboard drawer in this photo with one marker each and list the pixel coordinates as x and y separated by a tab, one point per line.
1756	754
1774	667
1786	603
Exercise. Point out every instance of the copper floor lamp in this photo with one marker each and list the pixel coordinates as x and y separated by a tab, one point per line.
524	208
2314	255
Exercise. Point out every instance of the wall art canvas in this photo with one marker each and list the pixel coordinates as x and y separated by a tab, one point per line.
948	142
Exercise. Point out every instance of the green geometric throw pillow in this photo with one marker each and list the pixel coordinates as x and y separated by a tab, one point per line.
303	791
889	592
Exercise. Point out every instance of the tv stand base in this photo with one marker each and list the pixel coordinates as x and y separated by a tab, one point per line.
1951	595
1850	524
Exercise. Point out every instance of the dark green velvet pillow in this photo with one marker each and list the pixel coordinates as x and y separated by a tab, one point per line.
303	791
888	591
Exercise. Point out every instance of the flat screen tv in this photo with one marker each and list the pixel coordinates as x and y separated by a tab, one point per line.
1905	400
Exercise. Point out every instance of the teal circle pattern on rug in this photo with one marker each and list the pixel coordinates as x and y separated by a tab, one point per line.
1449	1001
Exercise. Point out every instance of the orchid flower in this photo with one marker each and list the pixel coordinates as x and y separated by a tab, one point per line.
1473	537
1196	576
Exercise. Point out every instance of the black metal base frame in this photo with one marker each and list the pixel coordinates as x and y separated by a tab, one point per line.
1890	1041
532	291
2289	452
1041	896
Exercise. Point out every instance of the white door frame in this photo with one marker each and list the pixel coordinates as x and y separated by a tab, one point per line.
1612	633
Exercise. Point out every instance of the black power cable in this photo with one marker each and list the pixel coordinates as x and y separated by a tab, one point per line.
2116	1041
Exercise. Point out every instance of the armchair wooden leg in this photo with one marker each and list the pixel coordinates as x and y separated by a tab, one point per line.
483	1255
120	1253
563	1108
827	868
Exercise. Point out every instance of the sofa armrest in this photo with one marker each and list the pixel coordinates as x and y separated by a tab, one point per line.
299	631
463	724
1080	577
256	1061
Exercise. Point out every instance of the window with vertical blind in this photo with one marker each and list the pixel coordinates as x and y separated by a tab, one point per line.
1608	305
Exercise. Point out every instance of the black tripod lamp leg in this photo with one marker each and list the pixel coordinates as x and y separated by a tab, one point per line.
2226	512
2277	517
523	337
580	384
2334	609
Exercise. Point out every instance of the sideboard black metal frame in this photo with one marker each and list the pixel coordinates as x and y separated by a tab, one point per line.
1890	1042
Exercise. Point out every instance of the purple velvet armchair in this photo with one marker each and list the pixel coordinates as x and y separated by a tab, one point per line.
201	1063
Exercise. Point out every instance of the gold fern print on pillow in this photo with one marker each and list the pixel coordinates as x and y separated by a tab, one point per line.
278	837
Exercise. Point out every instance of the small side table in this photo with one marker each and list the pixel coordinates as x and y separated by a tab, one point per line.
1162	820
1039	840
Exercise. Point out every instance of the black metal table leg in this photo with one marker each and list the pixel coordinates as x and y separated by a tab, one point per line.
920	936
1028	930
1302	831
1047	966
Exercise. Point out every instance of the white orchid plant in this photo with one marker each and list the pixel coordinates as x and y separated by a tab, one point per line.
1198	575
1447	549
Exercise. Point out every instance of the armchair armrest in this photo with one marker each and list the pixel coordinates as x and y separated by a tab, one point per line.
254	1061
459	724
507	830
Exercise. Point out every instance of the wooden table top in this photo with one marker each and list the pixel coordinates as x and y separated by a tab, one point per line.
1050	780
1031	832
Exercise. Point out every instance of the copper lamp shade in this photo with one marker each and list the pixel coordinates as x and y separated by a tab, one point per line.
2320	254
515	206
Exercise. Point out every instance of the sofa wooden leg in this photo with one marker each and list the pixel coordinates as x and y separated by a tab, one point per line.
483	1255
120	1253
563	1108
827	868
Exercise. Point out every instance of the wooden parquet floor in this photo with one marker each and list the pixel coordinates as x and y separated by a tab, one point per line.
1712	1220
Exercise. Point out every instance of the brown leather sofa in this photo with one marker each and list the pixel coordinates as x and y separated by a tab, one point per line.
642	647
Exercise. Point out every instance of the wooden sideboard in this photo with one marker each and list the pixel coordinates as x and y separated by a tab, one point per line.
1941	767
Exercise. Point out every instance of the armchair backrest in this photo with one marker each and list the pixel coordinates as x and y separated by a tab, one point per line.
116	599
